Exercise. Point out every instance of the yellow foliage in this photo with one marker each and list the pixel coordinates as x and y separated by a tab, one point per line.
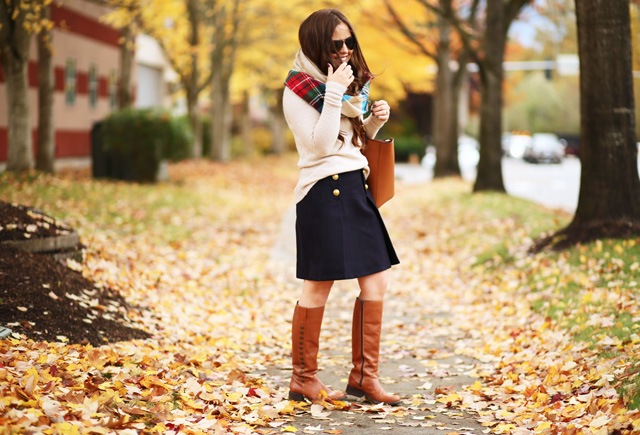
271	41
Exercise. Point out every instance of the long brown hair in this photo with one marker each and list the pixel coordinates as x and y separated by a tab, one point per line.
315	35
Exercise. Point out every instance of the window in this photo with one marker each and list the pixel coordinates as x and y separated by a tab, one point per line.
70	82
112	89
93	85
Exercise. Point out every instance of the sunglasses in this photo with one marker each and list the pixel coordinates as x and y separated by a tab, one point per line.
350	41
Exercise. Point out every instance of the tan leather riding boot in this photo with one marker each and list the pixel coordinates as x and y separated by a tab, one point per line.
305	335
365	347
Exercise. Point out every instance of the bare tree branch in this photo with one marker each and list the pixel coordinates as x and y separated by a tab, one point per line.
407	32
466	36
511	11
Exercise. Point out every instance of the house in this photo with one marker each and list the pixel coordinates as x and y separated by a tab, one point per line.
86	57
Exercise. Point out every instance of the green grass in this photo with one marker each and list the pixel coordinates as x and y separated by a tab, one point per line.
126	208
599	281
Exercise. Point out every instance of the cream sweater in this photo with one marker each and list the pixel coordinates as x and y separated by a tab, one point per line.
316	137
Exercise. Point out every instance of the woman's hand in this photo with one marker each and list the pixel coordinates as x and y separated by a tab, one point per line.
381	110
343	74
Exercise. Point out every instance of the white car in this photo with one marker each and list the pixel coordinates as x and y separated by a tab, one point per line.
468	154
544	148
517	144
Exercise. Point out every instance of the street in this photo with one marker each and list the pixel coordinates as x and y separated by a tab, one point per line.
555	186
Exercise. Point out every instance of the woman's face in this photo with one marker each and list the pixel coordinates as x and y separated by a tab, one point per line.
341	33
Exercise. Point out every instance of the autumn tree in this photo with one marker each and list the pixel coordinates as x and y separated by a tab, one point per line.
437	45
269	46
487	51
191	79
499	16
126	18
180	28
609	199
19	20
225	17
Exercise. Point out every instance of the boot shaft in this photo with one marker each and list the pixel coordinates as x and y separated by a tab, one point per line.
363	379
365	338
305	337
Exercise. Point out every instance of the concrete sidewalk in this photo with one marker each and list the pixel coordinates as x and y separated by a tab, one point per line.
414	371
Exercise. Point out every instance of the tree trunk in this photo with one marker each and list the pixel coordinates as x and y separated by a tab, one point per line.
195	120
14	54
193	87
459	80
220	117
127	52
490	165
222	64
609	183
46	87
245	126
445	144
609	199
20	145
278	124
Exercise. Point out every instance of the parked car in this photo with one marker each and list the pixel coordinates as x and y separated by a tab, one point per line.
572	143
517	144
506	143
544	148
468	153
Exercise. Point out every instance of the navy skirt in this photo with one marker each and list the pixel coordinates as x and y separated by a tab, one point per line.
339	231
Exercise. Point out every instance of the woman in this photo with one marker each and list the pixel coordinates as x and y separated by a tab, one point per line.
339	232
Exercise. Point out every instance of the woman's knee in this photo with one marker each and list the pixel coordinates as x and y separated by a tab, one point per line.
315	293
373	287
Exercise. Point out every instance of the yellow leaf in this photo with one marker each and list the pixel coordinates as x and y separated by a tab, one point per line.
66	428
289	429
97	359
599	422
450	398
191	404
477	386
542	426
234	397
505	428
31	381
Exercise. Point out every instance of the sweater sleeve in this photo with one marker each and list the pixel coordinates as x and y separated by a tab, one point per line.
317	132
372	125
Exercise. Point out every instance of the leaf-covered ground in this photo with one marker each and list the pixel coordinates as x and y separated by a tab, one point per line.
549	341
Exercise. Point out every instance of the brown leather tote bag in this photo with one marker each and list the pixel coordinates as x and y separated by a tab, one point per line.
381	157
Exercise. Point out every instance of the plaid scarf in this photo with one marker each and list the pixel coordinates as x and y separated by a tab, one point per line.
312	91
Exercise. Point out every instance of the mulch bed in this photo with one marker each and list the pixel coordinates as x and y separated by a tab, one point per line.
18	222
46	300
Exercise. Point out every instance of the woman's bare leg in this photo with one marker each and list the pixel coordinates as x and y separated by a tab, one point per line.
373	287
315	293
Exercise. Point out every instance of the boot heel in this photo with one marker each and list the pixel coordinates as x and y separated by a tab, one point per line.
353	391
298	397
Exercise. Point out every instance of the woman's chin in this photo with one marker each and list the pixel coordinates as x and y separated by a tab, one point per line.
336	61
